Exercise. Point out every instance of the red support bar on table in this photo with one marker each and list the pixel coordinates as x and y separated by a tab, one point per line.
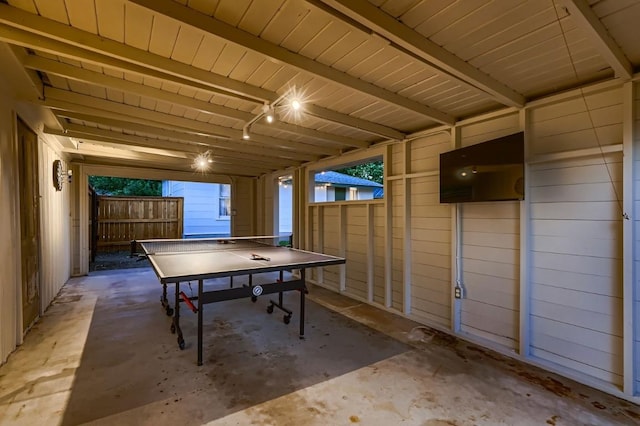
188	302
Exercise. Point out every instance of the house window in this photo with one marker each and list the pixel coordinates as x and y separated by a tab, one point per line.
224	203
361	181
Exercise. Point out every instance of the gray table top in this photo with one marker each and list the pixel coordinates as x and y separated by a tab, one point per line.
203	259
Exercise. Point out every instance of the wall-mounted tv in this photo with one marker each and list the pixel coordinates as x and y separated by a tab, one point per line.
488	171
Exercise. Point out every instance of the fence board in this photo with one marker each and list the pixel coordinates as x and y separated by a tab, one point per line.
122	219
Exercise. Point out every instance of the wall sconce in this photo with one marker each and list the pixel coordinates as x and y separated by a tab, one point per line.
60	175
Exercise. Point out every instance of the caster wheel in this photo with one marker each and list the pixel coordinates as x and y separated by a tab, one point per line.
181	343
253	299
173	329
270	309
286	319
169	312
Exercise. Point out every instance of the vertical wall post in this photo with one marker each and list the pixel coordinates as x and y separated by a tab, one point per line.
456	270
342	226
525	229
370	252
629	222
406	213
388	228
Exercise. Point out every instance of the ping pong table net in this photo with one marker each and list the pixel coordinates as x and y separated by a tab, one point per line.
207	244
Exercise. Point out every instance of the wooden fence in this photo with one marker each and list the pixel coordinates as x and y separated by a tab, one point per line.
122	219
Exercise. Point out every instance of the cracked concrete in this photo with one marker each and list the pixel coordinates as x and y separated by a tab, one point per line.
102	354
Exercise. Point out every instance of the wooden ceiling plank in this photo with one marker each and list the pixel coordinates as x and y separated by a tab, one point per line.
53	9
74	73
111	21
584	17
127	124
246	40
82	15
87	132
41	41
377	20
91	42
60	99
138	22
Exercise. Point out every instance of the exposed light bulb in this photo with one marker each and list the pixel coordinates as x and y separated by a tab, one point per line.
296	105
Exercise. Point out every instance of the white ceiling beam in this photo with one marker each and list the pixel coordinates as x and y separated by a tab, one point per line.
131	60
66	100
87	76
353	122
210	25
584	17
106	149
80	132
367	14
80	74
118	156
32	23
202	140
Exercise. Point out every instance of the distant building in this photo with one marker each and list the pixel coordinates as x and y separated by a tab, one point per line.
207	207
334	186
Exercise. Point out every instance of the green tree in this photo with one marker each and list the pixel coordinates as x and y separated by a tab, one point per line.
106	185
373	171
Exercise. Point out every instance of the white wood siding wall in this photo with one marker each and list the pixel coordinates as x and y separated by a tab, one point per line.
356	250
491	253
201	207
10	321
430	234
55	229
572	291
576	236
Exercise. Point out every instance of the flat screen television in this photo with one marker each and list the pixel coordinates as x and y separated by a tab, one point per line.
488	171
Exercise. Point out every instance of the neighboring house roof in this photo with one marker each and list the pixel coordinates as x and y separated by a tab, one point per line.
342	179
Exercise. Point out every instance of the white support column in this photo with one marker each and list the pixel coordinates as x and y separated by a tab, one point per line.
456	272
320	217
525	229
342	226
370	252
388	229
83	220
630	161
406	213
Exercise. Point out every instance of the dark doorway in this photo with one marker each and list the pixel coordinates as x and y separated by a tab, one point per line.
29	223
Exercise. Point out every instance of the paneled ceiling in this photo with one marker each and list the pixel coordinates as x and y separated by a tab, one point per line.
154	83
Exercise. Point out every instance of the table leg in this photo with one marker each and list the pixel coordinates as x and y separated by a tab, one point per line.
176	318
200	309
164	301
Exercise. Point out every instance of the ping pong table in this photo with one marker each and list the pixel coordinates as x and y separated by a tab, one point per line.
180	261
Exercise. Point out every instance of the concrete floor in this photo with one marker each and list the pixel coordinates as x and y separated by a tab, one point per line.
103	354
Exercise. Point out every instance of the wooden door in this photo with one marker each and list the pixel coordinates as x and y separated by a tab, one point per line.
29	223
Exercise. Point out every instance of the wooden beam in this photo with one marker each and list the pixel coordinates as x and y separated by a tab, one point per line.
584	17
183	150
210	25
369	15
353	122
131	60
187	138
71	101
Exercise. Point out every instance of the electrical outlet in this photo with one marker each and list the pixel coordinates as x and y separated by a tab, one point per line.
458	292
